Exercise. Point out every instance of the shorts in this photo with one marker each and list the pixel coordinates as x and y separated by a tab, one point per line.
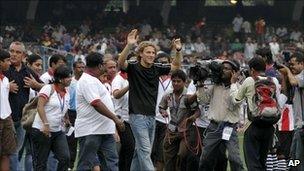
8	141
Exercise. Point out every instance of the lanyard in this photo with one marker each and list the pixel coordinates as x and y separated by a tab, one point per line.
61	102
174	104
163	86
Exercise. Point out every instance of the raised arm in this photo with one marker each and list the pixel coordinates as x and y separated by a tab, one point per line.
177	60
131	40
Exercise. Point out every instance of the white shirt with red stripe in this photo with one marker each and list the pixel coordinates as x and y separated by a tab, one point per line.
55	109
88	121
5	108
121	105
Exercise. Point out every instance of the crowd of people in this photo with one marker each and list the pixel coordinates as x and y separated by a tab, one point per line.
129	102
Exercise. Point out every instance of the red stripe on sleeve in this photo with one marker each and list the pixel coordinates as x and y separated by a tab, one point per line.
94	102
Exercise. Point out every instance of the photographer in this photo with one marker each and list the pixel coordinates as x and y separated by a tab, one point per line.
259	135
221	133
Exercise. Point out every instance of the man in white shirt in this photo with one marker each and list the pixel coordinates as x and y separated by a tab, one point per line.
275	48
237	23
95	121
165	85
7	131
247	27
281	31
120	93
295	35
250	49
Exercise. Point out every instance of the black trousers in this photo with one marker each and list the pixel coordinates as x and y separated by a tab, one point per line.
192	161
72	141
157	149
257	142
127	148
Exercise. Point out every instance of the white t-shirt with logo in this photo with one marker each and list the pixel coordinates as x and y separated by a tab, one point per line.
201	121
121	105
55	109
88	120
5	108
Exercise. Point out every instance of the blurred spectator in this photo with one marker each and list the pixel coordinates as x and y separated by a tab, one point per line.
188	46
281	31
260	26
250	49
237	25
48	28
295	35
236	45
199	46
9	28
247	27
275	48
146	29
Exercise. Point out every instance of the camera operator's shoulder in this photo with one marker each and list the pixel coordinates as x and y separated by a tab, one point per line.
249	81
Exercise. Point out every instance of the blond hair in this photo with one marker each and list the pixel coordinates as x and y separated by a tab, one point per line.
142	46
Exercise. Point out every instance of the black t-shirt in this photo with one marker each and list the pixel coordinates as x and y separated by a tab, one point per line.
143	83
19	99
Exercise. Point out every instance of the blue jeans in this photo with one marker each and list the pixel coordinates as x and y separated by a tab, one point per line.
297	149
97	150
42	145
20	133
143	128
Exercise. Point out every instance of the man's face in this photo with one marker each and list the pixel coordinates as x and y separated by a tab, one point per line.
227	72
37	66
295	66
79	68
59	63
163	60
111	67
17	54
5	64
148	55
178	84
66	81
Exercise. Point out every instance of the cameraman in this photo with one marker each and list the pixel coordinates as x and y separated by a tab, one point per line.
221	133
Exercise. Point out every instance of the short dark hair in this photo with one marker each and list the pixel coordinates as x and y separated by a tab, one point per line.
257	63
299	57
55	58
77	62
62	72
179	74
3	55
94	59
234	64
33	58
266	54
162	55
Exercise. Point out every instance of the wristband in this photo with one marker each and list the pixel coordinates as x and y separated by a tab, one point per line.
46	123
178	50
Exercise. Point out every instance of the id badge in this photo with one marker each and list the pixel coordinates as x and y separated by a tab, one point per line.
172	127
227	131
